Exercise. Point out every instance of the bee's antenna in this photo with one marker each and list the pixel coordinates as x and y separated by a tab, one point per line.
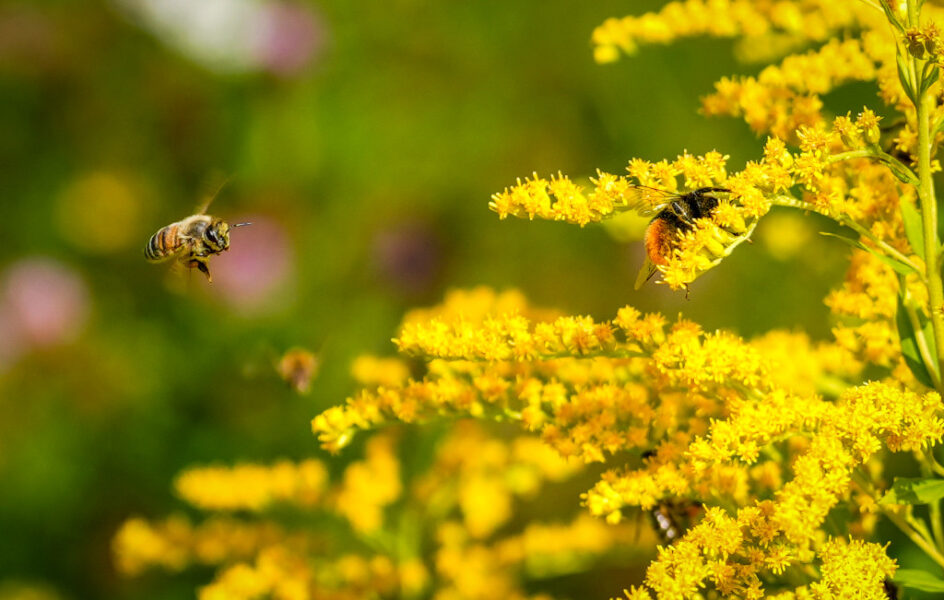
241	224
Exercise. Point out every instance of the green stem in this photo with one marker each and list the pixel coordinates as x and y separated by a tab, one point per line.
915	537
911	310
892	252
906	527
928	200
936	524
884	246
918	524
901	171
931	461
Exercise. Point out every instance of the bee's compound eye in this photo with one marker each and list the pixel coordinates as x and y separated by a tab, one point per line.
213	237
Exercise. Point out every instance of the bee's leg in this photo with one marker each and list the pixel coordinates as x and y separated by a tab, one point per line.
202	265
199	261
686	292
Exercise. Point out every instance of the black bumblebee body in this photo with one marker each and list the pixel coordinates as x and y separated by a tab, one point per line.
674	216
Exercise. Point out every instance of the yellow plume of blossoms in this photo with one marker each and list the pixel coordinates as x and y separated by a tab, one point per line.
778	447
451	525
855	192
253	487
847	169
813	21
714	416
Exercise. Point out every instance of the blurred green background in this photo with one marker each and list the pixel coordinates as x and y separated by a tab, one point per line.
364	141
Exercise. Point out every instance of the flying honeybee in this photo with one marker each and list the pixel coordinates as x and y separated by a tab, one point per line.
674	215
192	241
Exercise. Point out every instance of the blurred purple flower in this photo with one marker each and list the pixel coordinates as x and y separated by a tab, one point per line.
280	36
42	303
253	274
408	256
289	37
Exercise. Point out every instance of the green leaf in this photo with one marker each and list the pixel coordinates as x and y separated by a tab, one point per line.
930	80
903	173
913	227
905	78
907	490
909	343
899	267
852	241
918	580
891	16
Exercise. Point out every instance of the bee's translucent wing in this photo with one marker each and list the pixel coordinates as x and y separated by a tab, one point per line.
648	201
212	187
179	278
646	271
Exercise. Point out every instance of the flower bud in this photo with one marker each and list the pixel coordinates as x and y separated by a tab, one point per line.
914	41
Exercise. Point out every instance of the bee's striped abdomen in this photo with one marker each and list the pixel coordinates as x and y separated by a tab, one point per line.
162	244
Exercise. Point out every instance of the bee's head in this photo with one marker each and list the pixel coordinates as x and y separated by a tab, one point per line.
217	236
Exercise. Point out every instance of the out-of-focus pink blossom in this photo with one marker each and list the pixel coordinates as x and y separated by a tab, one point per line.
253	275
42	303
280	36
289	37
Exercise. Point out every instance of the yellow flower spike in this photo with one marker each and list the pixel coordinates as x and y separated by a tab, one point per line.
867	122
722	19
848	132
139	545
370	485
709	237
729	217
852	569
637	593
641	170
663	175
704	171
253	487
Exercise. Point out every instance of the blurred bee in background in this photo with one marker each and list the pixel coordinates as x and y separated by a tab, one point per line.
672	518
192	241
674	214
298	367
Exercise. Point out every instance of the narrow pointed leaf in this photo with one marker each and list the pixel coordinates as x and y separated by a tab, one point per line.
918	580
905	78
891	16
899	267
909	343
930	80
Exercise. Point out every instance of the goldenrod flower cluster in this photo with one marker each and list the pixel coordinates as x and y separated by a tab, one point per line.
447	526
813	21
867	300
176	543
848	168
717	418
253	487
856	191
368	370
506	367
777	445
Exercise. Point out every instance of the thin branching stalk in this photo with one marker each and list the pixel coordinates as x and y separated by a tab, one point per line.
928	199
